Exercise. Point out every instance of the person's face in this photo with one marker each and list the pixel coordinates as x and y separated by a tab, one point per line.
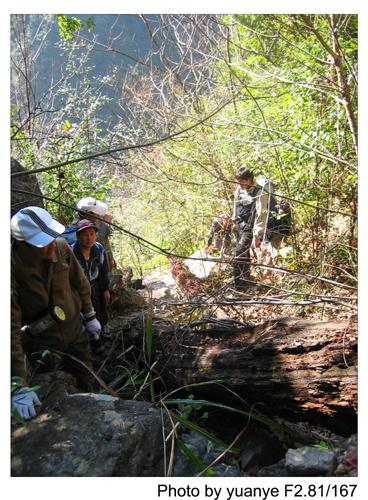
87	237
48	252
246	184
36	254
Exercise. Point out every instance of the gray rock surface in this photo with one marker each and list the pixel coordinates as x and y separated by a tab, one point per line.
310	461
91	435
275	470
160	285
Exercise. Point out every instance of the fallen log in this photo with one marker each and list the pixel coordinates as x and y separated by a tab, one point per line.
290	366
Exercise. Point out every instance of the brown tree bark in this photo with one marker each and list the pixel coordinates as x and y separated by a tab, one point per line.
291	366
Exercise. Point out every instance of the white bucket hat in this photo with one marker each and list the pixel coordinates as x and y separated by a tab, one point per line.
93	206
35	226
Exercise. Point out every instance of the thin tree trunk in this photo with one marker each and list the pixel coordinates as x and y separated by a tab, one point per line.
337	58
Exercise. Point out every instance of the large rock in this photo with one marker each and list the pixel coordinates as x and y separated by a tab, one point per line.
309	461
342	460
27	183
91	435
203	268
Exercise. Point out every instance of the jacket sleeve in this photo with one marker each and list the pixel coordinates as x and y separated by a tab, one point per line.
77	277
260	222
17	355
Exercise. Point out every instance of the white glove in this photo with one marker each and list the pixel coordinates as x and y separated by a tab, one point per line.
94	328
23	402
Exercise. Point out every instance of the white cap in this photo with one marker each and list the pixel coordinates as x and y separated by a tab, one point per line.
35	226
93	206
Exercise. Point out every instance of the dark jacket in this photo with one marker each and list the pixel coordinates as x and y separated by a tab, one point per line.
97	272
245	209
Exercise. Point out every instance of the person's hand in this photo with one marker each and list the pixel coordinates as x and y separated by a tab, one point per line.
107	297
24	401
93	327
108	217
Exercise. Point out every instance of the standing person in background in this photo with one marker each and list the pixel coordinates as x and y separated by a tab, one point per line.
250	219
93	210
92	257
89	208
219	235
49	296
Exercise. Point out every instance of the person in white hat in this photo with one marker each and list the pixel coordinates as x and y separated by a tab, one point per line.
95	210
49	291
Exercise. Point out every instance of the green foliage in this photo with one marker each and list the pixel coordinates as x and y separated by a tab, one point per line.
72	130
69	27
322	445
288	124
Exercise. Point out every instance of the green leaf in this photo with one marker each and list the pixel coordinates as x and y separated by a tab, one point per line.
68	26
264	420
148	337
200	430
194	459
90	25
321	445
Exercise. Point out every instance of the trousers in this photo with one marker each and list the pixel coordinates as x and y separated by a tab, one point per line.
44	354
241	261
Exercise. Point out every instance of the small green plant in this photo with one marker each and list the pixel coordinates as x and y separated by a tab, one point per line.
322	445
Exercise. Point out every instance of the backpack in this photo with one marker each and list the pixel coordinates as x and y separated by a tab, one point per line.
280	218
279	212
